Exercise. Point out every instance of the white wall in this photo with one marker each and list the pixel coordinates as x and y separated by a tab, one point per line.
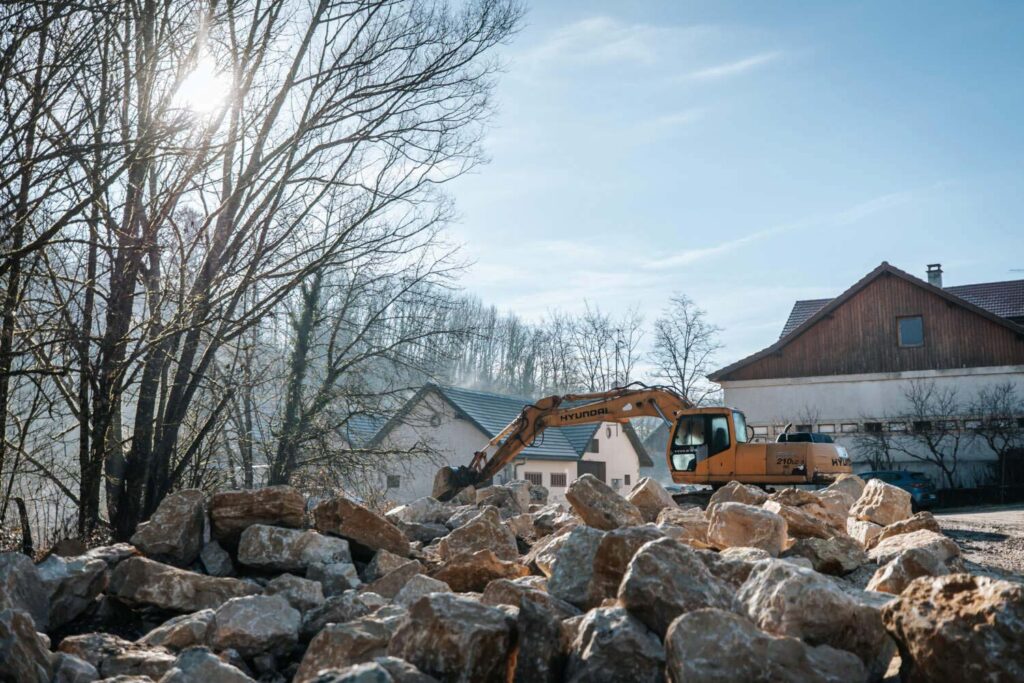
835	400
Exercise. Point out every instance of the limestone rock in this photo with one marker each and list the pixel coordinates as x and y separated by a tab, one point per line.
836	505
538	633
615	550
24	656
424	510
599	506
850	484
923	520
611	645
454	639
336	577
553	517
738	524
732	565
339	609
383	563
667	578
468	573
113	555
503	498
346	518
787	600
483	532
713	645
515	592
199	665
940	545
392	582
402	671
572	567
341	645
423	533
541	553
216	561
231	512
959	628
838	555
72	585
650	498
368	672
882	504
181	632
22	588
521	526
691	521
256	624
418	586
911	564
799	523
174	533
289	550
863	532
460	515
113	656
302	594
735	492
538	495
141	581
70	669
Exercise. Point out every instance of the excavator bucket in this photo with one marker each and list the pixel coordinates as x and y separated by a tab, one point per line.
449	481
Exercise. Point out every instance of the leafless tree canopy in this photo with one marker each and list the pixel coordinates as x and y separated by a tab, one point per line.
683	349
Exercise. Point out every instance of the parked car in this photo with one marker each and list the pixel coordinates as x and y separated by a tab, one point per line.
804	437
920	488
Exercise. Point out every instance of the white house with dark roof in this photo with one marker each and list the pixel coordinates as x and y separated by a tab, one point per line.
844	366
453	423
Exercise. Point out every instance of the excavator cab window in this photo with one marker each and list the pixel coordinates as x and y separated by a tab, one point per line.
697	438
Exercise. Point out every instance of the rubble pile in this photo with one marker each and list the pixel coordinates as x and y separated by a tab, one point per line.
840	584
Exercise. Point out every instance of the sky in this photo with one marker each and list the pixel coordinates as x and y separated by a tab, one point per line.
747	155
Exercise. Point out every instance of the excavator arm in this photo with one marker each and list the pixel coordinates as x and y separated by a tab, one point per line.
616	405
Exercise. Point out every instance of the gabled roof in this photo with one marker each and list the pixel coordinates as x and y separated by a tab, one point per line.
1005	299
491	413
359	430
800	326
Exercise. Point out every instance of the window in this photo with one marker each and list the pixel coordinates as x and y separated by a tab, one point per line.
760	431
558	480
827	429
911	330
616	483
697	438
803	428
849	427
394	481
922	425
741	426
627	479
897	426
968	424
594	446
535	478
872	427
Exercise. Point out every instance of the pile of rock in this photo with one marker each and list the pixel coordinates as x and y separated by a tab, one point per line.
500	586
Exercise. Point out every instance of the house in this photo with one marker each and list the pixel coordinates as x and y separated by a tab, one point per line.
452	423
856	366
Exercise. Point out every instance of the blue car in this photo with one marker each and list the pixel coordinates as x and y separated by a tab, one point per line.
920	488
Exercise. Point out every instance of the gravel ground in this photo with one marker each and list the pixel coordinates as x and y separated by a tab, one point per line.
991	537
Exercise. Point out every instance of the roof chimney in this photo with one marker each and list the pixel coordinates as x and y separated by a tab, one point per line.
935	275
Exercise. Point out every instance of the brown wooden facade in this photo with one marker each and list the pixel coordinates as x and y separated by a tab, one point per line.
857	333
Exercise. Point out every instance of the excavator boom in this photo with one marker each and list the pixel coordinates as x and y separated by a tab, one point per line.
616	405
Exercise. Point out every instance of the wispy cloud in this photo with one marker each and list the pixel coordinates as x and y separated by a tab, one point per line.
735	68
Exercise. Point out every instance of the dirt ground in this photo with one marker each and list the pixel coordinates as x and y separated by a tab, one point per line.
992	537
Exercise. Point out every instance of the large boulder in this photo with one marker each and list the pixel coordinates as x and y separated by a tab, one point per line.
515	592
335	577
24	655
418	586
882	504
289	550
215	560
938	544
539	657
923	520
906	557
141	581
959	628
341	645
199	665
383	563
799	522
71	669
231	512
181	632
256	624
174	533
392	582
667	578
22	588
836	505
572	567
483	532
454	639
302	594
339	609
850	484
503	498
716	646
113	656
862	532
552	517
72	585
838	555
735	492
650	498
599	506
424	510
543	552
616	549
787	600
741	525
346	518
611	645
472	573
689	525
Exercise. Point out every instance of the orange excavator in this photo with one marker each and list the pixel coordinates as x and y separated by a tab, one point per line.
706	445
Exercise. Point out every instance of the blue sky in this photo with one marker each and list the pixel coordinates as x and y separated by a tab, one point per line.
747	155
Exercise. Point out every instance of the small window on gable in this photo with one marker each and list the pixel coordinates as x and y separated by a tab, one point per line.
911	331
594	446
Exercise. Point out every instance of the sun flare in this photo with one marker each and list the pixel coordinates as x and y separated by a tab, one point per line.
204	89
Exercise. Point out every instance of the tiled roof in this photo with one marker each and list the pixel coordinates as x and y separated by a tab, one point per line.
1005	299
360	429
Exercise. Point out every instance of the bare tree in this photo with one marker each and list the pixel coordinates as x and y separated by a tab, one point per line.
999	412
683	348
930	429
